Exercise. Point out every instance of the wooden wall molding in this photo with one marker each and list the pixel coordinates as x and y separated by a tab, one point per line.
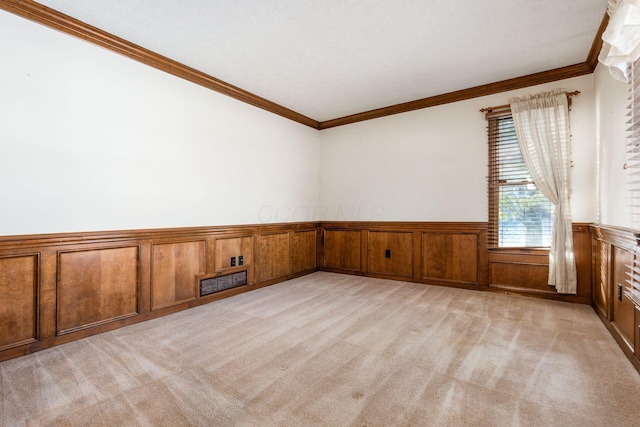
620	236
464	94
596	46
442	253
125	277
64	23
613	251
19	289
105	281
58	288
112	236
562	73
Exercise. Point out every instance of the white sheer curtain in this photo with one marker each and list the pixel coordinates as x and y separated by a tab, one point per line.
621	39
542	128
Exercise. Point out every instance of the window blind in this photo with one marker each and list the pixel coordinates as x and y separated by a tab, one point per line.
519	214
633	175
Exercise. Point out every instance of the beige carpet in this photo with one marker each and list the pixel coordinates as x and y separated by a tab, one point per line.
336	350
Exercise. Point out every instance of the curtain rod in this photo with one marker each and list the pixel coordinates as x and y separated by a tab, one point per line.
500	107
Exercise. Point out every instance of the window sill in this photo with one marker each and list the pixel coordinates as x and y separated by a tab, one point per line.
532	251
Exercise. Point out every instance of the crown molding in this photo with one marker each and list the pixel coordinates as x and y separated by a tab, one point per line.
596	46
66	24
576	70
464	94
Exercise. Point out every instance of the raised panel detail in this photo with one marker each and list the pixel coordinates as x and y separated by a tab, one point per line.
174	267
18	289
225	248
272	256
96	286
601	293
391	253
531	277
637	328
449	256
304	251
342	249
623	316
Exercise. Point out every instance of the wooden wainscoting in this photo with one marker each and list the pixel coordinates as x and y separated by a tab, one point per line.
390	253
613	252
273	256
343	250
57	288
18	302
96	286
304	254
61	287
526	271
452	256
174	269
449	254
453	253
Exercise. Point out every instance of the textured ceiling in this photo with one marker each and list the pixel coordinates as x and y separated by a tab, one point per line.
332	58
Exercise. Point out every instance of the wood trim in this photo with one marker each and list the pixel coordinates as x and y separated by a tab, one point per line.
596	47
439	226
464	94
618	236
157	235
617	241
622	343
68	25
49	248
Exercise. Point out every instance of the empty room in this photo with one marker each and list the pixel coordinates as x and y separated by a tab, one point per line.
320	213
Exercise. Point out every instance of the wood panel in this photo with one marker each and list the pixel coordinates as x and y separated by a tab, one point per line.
342	249
18	296
170	259
601	288
225	248
96	286
448	256
174	268
272	253
522	277
520	270
582	241
637	328
622	316
613	248
303	251
400	247
65	286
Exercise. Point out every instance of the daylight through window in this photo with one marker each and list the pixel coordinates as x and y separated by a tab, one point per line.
519	214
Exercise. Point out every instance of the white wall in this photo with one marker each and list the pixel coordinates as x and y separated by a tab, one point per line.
610	117
90	140
431	164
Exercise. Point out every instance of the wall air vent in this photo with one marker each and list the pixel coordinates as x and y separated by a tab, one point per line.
212	285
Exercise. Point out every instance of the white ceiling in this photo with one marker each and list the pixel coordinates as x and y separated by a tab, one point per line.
331	58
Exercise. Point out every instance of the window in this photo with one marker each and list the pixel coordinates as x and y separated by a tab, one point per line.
632	167
519	214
